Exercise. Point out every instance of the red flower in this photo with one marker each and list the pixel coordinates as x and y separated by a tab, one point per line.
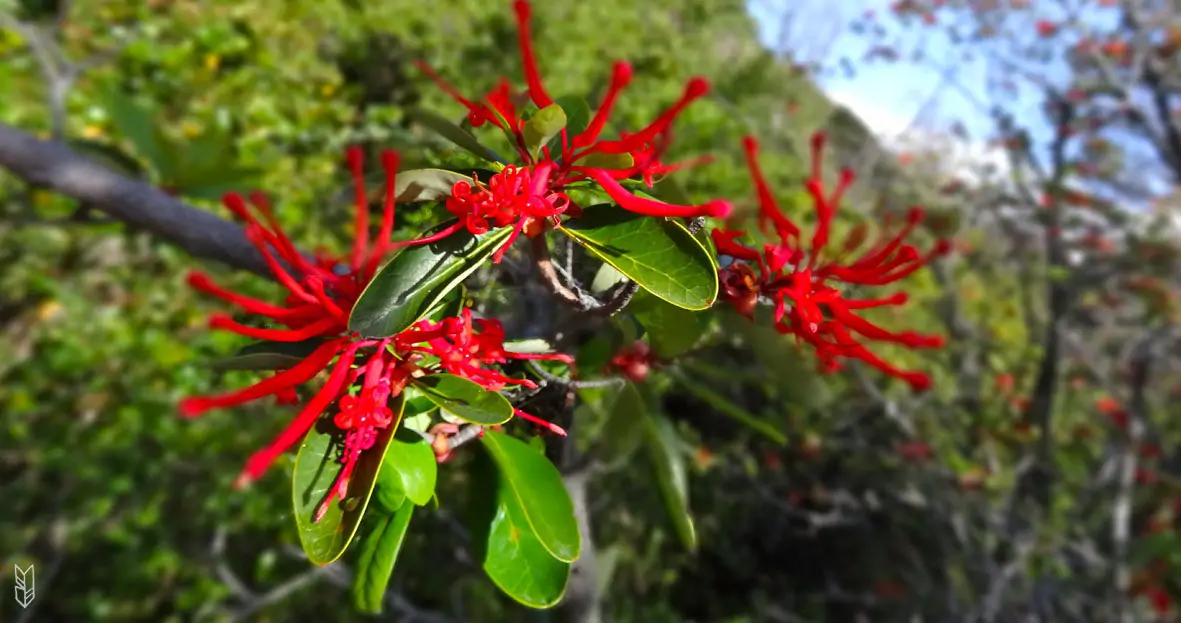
1160	599
634	361
1145	477
889	589
528	194
1046	28
915	451
805	288
1004	383
317	307
1113	410
1150	451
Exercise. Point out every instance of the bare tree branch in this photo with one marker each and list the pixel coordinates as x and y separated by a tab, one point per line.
53	165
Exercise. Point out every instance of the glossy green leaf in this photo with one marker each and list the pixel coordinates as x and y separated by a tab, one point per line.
537	486
668	461
109	156
379	553
268	355
387	497
671	191
451	306
606	278
316	466
407	288
529	346
728	407
453	133
410	462
137	124
417	413
512	556
596	352
578	116
426	184
671	330
658	254
779	358
206	168
613	162
465	399
623	431
543	126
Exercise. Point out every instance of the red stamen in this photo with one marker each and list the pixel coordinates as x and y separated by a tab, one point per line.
356	159
263	459
301	372
621	76
528	59
319	327
648	207
554	428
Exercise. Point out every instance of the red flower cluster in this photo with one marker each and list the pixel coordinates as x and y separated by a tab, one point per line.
634	361
528	194
804	287
317	308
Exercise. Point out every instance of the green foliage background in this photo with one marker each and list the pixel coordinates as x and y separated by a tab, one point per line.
127	509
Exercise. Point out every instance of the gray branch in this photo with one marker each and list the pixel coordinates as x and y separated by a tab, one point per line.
53	165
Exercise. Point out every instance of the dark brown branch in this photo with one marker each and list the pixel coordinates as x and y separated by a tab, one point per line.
618	297
53	165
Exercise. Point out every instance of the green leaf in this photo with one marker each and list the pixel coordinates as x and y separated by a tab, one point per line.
658	254
388	496
664	447
451	306
542	127
268	355
671	330
410	462
465	399
671	191
779	358
578	116
612	162
137	124
316	468
534	346
234	181
537	486
512	555
426	184
406	289
721	403
379	552
109	156
606	278
454	133
621	433
597	352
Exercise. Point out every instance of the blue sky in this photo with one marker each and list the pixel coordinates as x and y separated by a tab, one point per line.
888	96
892	97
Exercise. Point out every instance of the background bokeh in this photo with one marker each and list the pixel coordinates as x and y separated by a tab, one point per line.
1039	476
